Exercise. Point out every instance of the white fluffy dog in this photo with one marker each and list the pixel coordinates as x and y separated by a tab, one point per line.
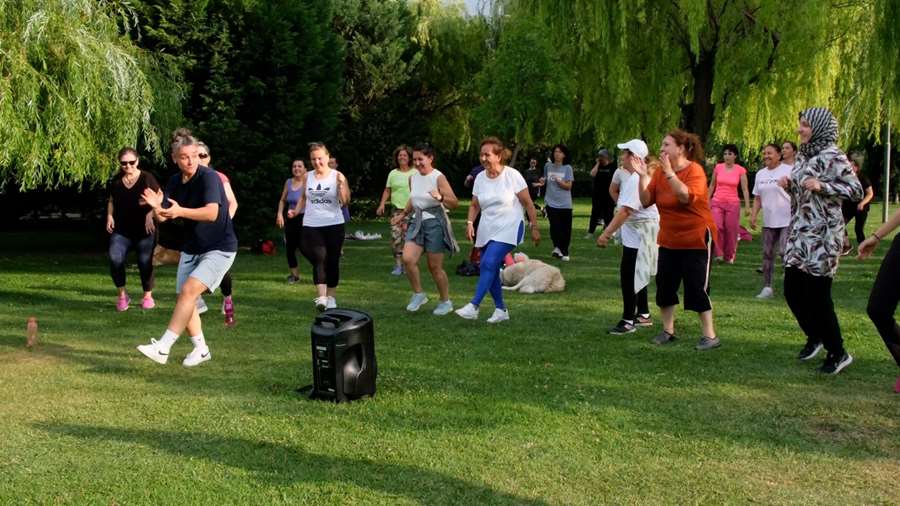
532	276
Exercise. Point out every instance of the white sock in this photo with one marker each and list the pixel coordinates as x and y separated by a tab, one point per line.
168	339
198	341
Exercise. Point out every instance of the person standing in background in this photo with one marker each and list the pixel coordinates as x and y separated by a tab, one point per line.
129	221
776	207
602	204
725	203
397	190
857	210
293	227
533	178
557	181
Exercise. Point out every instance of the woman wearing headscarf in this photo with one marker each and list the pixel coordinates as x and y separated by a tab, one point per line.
821	179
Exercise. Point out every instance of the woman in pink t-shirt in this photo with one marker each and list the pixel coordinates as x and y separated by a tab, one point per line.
725	203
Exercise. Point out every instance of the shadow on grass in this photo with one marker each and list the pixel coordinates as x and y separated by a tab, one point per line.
281	464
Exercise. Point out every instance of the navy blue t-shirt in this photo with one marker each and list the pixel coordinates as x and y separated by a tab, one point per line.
203	188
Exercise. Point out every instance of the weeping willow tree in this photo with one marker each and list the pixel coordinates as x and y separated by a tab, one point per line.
727	70
527	92
73	90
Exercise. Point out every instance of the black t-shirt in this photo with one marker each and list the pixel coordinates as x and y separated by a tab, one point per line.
203	188
850	207
128	212
532	176
603	179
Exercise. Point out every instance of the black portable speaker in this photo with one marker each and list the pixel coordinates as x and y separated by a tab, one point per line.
343	355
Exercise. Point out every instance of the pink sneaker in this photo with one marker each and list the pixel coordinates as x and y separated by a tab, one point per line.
122	304
228	306
897	385
148	303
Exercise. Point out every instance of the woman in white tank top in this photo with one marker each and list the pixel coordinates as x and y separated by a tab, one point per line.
430	230
325	192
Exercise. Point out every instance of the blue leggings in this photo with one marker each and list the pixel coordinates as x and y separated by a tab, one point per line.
492	255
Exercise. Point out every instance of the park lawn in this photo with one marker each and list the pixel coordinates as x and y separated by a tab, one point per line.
544	409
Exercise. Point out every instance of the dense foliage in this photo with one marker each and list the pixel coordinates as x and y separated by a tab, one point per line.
258	80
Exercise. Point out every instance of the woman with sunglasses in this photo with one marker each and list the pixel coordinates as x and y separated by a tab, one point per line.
129	221
225	286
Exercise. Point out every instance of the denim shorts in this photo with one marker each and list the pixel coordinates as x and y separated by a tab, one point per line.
208	268
430	236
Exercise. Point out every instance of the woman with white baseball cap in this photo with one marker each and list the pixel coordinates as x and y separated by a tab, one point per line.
640	226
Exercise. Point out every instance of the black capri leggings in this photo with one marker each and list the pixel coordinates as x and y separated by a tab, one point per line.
322	247
883	300
293	227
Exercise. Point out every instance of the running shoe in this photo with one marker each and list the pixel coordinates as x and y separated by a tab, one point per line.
836	363
565	258
155	351
500	315
765	293
443	308
707	343
148	303
469	312
416	301
228	308
623	327
201	306
809	351
643	321
321	303
197	356
664	338
331	303
398	270
556	253
291	279
122	303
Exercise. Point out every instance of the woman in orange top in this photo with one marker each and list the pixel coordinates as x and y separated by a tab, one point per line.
686	233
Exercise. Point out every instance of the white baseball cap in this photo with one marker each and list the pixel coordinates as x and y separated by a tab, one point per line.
636	146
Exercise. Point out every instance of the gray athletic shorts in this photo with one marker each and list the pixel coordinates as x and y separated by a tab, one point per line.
430	236
208	268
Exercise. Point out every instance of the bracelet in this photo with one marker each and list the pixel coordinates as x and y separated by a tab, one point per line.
875	235
470	222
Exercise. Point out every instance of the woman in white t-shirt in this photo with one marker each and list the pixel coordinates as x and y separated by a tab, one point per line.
500	194
325	193
776	207
639	228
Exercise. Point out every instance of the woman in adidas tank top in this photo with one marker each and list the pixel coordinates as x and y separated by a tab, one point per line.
429	229
325	192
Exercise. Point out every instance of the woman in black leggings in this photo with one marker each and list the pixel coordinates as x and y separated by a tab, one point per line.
130	224
325	193
293	227
886	291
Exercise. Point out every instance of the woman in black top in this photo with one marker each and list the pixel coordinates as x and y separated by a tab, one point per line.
129	221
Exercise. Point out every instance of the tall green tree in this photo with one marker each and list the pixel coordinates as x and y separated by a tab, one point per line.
727	70
528	93
73	90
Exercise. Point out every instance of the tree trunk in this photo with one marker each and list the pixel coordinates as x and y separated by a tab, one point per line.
515	154
697	117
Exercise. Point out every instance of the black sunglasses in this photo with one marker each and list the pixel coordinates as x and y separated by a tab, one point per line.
123	163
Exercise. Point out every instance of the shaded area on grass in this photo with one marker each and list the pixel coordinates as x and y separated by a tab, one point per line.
280	464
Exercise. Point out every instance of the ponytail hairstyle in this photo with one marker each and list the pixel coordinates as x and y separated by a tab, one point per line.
693	148
182	137
498	148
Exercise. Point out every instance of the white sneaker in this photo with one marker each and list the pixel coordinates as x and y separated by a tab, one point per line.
197	356
500	315
201	306
588	236
565	258
556	253
331	303
155	351
766	293
321	303
469	312
443	308
416	301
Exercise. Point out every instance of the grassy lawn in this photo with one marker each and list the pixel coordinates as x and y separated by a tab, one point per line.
544	409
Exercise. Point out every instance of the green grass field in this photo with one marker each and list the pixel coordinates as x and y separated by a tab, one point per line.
544	409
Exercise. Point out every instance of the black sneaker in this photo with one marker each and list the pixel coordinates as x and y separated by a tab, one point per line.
809	351
707	343
664	337
836	363
759	270
643	321
291	279
623	327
